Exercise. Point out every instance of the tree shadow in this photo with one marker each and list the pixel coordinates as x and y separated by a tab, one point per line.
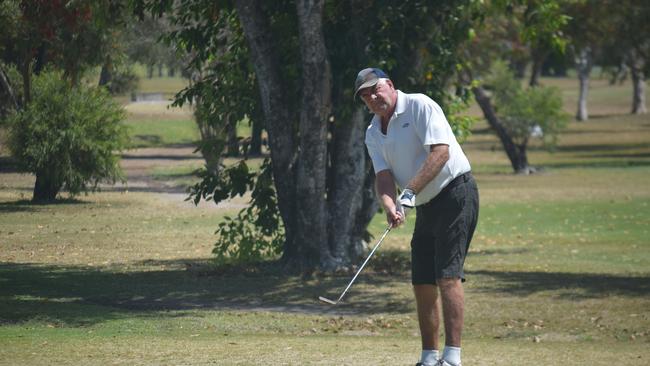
585	148
9	165
24	205
78	295
599	164
160	157
570	286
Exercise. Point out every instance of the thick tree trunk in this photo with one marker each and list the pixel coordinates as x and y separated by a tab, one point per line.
516	152
46	187
584	63
278	123
315	109
345	194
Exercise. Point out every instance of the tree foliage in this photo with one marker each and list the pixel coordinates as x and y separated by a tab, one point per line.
294	63
534	112
70	37
507	29
69	135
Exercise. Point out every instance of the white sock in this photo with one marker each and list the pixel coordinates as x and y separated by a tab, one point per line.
429	357
451	355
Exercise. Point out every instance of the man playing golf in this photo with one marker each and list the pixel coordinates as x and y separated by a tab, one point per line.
412	146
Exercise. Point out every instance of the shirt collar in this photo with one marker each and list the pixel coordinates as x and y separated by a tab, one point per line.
400	106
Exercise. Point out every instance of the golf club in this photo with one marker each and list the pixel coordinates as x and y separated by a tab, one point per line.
332	302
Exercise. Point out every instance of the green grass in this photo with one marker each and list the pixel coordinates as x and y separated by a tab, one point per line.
558	272
156	133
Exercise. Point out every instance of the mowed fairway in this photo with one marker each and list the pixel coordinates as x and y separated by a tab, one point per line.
559	270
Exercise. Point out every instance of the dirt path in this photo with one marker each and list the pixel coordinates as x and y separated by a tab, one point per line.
139	166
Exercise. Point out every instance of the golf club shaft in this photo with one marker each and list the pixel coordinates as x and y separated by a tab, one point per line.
390	226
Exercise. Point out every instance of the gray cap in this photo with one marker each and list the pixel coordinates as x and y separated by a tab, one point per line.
367	78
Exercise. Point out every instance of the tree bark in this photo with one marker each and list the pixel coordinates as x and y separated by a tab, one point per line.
538	61
638	99
106	74
311	229
584	63
25	72
637	63
345	193
233	141
46	187
278	123
516	152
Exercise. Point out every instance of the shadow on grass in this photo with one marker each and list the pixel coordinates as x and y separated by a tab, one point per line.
598	164
78	296
160	157
9	165
576	286
29	206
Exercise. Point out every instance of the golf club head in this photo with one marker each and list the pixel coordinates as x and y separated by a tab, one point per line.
323	299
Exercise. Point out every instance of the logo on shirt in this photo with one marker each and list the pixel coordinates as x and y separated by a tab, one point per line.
405	125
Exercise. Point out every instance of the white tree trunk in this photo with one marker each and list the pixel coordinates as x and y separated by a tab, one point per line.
584	63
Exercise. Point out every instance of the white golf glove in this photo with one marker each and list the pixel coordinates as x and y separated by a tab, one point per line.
406	201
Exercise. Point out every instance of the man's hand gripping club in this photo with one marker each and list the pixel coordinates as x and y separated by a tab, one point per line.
405	202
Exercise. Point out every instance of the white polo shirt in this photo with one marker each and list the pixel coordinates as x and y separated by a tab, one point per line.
417	123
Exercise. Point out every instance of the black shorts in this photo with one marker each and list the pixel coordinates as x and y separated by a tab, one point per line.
443	230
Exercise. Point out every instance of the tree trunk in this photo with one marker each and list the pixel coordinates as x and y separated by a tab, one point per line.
233	141
315	109
584	63
638	99
516	153
46	187
25	72
278	123
345	193
256	137
538	61
106	74
637	63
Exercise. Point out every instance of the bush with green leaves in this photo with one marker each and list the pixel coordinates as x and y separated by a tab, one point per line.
68	137
534	112
257	232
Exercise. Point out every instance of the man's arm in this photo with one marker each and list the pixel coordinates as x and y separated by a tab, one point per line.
385	188
437	158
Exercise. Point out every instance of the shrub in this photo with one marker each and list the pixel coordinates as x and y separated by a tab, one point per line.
533	112
68	137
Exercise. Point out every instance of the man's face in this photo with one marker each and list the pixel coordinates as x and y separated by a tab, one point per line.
380	98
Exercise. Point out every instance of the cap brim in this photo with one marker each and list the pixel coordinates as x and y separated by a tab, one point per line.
367	84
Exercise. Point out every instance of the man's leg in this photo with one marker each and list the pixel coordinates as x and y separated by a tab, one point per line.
453	296
428	307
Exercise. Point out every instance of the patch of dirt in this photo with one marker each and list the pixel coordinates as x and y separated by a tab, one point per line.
139	164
